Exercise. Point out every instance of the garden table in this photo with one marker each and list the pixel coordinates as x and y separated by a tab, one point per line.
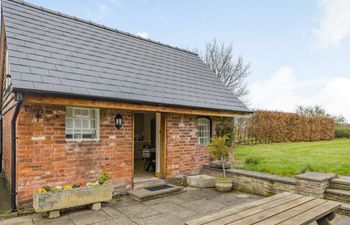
282	209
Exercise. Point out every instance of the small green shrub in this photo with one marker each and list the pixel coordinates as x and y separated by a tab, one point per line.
224	179
342	133
219	150
103	178
181	182
118	197
252	161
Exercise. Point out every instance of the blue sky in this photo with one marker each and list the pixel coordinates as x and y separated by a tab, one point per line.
299	50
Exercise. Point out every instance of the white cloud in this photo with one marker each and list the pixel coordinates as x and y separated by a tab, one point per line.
334	26
143	34
283	91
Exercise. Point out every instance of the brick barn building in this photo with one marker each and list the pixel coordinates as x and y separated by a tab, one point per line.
80	98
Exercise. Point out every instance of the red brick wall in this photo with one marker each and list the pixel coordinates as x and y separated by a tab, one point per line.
44	157
184	154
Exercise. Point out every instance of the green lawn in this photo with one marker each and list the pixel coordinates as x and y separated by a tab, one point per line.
294	158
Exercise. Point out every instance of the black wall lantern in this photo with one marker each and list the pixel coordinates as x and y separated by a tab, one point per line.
118	121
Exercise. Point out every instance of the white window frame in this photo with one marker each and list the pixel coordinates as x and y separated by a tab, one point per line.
204	131
81	117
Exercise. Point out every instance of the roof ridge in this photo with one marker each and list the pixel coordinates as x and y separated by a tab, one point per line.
98	25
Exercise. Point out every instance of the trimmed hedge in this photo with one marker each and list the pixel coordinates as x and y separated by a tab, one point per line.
269	127
342	133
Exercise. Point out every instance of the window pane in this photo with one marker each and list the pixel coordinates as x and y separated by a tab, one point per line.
203	131
92	124
81	123
77	123
77	112
86	123
85	112
69	123
69	112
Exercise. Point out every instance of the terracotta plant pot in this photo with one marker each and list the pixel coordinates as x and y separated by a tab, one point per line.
223	184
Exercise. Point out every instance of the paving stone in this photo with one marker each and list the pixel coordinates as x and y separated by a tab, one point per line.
40	219
189	196
88	216
137	211
174	199
231	199
207	193
126	202
169	210
172	208
161	219
112	212
203	205
23	220
156	201
117	221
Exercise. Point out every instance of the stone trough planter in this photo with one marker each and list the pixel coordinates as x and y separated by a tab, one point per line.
52	201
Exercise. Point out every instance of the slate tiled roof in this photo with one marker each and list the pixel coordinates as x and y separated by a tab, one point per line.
53	53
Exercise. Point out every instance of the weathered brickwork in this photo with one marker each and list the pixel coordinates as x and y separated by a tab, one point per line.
44	157
184	154
6	135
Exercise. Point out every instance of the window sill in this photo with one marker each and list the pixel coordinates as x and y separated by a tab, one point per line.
82	140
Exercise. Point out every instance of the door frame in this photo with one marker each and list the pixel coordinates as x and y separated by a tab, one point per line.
162	169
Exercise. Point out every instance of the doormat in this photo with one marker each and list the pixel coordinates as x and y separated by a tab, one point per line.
158	188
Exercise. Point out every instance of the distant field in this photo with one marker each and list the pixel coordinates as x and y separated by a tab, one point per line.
294	158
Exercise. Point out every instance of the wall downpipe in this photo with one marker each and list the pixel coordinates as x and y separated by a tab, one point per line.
19	101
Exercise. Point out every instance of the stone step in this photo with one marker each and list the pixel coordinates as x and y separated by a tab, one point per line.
341	182
138	184
344	209
338	195
144	194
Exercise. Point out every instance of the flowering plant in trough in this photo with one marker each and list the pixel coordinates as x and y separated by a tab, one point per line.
103	178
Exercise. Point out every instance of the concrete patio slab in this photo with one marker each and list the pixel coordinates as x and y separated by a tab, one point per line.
23	220
40	219
203	205
172	208
137	211
112	212
117	221
230	199
161	219
88	217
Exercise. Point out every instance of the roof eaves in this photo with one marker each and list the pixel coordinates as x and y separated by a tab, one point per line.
81	96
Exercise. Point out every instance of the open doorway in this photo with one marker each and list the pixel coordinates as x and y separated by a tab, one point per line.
146	145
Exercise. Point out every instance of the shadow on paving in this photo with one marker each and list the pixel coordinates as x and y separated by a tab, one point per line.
4	196
168	210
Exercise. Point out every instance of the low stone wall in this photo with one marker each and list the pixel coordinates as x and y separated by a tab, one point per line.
255	182
312	184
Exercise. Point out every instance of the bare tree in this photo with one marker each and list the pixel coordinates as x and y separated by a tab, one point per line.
317	110
232	71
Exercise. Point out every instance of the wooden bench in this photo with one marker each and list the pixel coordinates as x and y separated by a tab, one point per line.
283	209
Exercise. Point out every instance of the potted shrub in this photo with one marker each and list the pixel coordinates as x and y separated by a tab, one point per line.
219	150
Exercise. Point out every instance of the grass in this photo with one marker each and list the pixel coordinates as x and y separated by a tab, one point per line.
290	159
